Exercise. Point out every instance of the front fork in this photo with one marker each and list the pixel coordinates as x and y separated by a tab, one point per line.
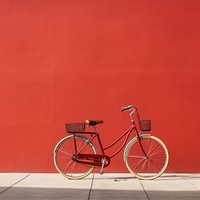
140	143
138	137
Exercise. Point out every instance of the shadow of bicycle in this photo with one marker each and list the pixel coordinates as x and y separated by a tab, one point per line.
22	193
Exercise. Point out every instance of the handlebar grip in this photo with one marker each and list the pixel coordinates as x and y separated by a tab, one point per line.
126	108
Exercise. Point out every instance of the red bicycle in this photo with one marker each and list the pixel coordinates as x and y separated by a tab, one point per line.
76	156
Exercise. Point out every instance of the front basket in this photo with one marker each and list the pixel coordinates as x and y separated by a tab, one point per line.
145	125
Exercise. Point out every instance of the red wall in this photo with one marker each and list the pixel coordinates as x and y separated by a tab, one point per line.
66	61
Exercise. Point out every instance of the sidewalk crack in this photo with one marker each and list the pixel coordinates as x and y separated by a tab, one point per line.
14	184
91	187
144	190
195	187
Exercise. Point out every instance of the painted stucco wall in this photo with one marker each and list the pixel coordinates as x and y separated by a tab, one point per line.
67	61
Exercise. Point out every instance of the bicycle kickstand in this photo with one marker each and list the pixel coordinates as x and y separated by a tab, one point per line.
103	161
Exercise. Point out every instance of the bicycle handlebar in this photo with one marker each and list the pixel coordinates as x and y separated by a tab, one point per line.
134	110
130	107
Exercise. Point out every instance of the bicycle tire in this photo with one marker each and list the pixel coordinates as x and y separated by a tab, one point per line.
63	153
142	167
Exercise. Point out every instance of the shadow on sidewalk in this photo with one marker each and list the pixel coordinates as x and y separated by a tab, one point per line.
25	193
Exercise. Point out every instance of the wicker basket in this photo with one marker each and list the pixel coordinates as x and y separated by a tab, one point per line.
145	125
75	127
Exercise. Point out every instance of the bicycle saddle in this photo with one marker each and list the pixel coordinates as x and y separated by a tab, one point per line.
93	122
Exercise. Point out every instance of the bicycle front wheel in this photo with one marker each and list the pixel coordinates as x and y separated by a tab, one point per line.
151	165
63	157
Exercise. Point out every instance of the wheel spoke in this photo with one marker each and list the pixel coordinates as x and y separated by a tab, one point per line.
64	152
144	157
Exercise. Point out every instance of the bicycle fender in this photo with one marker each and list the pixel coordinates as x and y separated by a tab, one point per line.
130	143
56	147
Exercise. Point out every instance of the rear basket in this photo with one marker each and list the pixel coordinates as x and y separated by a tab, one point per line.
145	125
75	127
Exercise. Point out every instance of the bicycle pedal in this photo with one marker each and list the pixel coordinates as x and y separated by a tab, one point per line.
101	173
103	164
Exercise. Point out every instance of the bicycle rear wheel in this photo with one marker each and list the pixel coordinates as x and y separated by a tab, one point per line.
150	167
63	157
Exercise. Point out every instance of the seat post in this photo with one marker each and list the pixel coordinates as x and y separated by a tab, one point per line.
95	128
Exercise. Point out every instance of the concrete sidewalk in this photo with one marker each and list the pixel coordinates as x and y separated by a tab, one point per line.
21	186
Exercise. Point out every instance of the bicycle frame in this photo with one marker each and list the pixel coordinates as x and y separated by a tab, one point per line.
96	159
96	135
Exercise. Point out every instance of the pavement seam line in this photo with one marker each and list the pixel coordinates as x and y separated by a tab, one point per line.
14	184
91	187
196	188
144	190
